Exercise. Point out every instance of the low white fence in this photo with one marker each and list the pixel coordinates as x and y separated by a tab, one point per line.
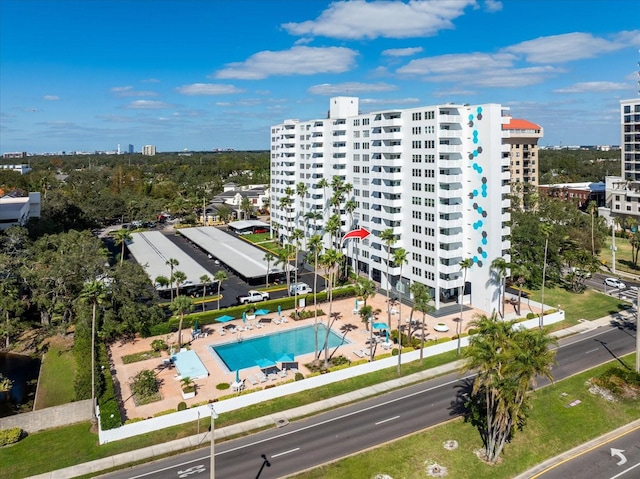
232	404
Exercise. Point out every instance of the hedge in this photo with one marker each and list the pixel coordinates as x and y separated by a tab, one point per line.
10	436
209	317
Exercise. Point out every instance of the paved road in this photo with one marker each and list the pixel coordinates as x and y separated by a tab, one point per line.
353	428
615	458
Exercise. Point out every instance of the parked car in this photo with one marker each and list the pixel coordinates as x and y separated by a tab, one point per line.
614	283
253	296
299	288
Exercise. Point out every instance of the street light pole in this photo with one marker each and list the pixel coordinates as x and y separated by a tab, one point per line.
212	465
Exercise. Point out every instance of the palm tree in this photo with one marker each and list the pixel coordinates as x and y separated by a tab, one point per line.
246	206
331	260
220	276
592	208
333	227
546	229
521	273
313	216
500	266
172	263
178	278
302	190
205	280
324	184
365	288
400	259
315	246
285	203
421	302
180	306
268	257
507	361
94	293
296	236
350	206
465	264
121	237
389	240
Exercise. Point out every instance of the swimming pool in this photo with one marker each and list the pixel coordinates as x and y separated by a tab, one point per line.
244	354
189	365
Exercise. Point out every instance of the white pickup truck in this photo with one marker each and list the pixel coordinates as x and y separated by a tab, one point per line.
253	296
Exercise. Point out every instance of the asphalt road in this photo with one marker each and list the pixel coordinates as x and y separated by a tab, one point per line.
335	434
618	458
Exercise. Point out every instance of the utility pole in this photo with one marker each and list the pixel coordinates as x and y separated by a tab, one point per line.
613	247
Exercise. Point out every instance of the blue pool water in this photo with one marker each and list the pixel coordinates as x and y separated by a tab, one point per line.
189	365
244	354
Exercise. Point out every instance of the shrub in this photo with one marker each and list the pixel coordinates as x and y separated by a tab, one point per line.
159	345
394	352
269	386
181	406
472	331
531	315
10	436
299	376
222	386
141	356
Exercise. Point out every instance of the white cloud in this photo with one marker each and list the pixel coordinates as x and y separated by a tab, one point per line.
350	88
455	92
564	48
388	101
492	6
457	63
150	80
402	52
147	105
208	89
124	91
51	97
299	60
359	19
593	87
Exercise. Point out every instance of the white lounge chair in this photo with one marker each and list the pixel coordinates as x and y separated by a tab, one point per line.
284	320
262	377
252	380
276	321
360	354
282	373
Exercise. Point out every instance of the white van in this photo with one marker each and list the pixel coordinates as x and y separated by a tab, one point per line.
299	288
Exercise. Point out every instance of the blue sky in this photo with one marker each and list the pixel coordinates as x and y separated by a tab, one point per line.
204	74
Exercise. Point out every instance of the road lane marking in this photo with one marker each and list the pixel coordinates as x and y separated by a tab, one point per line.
385	420
625	471
285	452
592	351
175	466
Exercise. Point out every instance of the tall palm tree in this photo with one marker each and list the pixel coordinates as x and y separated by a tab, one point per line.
205	280
521	273
285	204
220	276
94	293
268	257
465	264
365	288
421	302
350	206
121	237
178	278
546	229
180	306
282	259
301	190
172	263
296	236
324	184
314	216
333	228
500	266
400	259
389	240
315	246
331	260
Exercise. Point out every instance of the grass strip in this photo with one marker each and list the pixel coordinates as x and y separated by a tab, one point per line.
55	384
552	428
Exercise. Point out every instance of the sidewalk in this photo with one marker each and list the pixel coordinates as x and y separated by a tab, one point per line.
150	452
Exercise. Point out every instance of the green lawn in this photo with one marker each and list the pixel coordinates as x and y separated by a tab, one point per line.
552	427
55	384
623	255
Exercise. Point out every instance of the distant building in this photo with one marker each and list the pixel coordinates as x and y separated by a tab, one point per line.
14	155
580	193
22	169
522	138
130	148
17	210
149	150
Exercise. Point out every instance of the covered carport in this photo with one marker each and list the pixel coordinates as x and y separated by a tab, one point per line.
244	259
249	226
152	250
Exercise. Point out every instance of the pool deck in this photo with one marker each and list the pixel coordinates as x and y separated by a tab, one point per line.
170	384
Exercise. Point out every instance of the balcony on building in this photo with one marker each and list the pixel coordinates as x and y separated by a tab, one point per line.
390	118
449	115
450	160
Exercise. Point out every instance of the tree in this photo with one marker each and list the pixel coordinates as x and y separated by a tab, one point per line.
422	303
315	247
331	260
180	306
11	305
400	259
296	236
205	280
172	263
178	278
162	281
268	257
93	293
365	288
507	360
500	267
285	204
121	237
247	208
302	190
220	276
521	274
546	230
465	264
389	240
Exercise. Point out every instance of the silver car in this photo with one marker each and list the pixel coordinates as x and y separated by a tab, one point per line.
614	283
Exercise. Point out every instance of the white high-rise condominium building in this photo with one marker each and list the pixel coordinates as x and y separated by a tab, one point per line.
149	150
437	176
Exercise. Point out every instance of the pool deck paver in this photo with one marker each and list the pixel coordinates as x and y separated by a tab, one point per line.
170	384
